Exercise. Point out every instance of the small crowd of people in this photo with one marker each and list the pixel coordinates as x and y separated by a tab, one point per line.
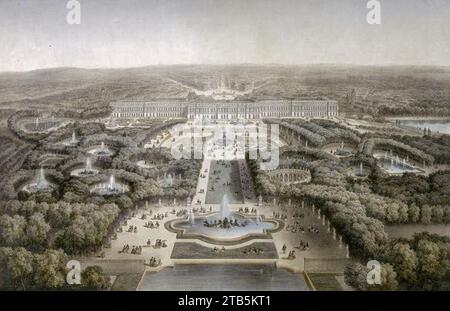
132	229
279	216
313	229
202	210
218	250
291	255
154	262
296	227
253	250
160	216
135	250
246	210
298	215
180	213
158	243
152	225
303	246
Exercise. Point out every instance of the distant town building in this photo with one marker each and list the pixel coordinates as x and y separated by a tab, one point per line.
217	110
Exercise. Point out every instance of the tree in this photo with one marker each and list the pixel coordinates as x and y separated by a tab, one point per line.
355	275
405	262
414	213
20	267
437	214
12	230
92	278
37	229
430	259
426	214
5	278
392	214
388	277
50	269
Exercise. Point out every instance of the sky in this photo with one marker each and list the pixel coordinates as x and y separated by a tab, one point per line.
34	34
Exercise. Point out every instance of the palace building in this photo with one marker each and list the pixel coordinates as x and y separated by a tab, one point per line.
217	110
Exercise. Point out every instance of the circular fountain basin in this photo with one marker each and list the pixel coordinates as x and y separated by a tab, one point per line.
145	165
82	172
249	227
34	188
338	150
104	189
98	151
42	126
70	143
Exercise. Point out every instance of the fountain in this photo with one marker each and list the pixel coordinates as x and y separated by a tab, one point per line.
74	140
360	172
169	180
42	183
191	218
86	171
88	168
393	164
223	226
112	183
224	209
110	188
102	151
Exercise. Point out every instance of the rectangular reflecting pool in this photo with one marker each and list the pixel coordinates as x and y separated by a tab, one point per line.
223	277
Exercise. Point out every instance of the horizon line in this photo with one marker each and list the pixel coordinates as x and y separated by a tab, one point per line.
226	64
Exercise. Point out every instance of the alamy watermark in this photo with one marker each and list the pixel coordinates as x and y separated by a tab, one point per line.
373	17
73	17
197	140
73	277
374	275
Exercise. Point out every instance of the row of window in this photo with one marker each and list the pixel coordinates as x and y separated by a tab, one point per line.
223	115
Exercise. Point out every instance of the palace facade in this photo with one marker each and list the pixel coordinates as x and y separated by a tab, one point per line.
216	110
